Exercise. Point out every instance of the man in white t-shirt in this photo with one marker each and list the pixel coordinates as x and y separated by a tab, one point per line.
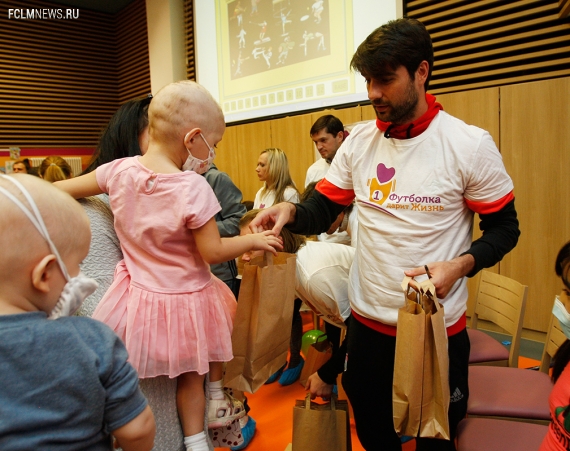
328	134
445	171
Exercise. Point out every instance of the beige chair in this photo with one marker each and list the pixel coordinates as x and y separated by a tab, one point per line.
554	340
515	393
502	301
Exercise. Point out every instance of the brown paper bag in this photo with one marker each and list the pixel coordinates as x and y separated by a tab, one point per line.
262	325
420	391
317	355
321	427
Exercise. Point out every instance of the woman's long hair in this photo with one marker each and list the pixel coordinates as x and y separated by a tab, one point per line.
120	138
278	175
54	169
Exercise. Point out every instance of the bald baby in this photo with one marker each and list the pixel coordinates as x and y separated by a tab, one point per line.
181	106
30	277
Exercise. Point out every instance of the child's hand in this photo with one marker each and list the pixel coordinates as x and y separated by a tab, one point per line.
266	241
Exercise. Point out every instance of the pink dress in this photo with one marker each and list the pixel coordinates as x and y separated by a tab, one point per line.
173	315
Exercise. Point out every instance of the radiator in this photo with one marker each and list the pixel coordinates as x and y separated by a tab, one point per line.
74	162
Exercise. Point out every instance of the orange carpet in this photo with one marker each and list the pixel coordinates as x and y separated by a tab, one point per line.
272	408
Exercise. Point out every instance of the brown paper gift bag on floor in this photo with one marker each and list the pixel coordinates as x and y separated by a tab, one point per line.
262	325
321	427
420	391
317	355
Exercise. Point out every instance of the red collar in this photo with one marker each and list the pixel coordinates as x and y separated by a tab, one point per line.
412	129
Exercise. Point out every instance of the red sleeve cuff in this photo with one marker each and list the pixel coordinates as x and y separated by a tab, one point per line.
334	193
489	207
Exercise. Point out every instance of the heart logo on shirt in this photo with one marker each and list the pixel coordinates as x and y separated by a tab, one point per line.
384	174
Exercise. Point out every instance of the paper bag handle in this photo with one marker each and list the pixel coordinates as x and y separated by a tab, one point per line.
425	287
407	284
308	401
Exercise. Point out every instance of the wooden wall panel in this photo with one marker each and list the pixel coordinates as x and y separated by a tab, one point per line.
190	50
480	108
494	42
252	139
227	155
564	6
63	79
133	66
246	142
291	134
534	144
59	79
367	113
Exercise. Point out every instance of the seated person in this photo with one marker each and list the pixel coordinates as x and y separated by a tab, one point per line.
66	383
21	166
54	169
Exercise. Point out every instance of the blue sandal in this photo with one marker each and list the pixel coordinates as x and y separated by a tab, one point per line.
291	375
275	375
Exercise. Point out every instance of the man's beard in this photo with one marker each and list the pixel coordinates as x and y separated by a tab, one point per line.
403	112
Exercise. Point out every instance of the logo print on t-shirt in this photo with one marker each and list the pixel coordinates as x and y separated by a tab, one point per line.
561	419
383	184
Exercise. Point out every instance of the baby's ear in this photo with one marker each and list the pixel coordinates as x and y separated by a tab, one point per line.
42	273
190	136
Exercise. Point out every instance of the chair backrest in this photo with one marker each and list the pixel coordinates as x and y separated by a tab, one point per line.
502	301
554	339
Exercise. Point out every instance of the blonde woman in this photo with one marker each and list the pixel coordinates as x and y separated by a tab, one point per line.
55	168
273	169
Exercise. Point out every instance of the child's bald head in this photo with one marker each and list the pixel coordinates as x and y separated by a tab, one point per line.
20	241
181	106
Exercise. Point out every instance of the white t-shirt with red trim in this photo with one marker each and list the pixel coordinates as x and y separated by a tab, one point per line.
410	199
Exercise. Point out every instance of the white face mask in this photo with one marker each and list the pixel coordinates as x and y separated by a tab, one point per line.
77	288
559	310
195	164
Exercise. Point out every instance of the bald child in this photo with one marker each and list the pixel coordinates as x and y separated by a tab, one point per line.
164	216
179	116
66	383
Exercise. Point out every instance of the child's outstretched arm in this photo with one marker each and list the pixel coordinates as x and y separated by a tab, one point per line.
79	187
137	434
214	249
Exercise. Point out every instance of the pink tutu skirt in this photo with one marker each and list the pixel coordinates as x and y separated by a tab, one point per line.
169	333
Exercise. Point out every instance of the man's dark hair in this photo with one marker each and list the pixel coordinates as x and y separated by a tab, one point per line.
402	42
329	123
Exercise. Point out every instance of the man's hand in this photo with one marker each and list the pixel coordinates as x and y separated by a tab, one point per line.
318	387
274	218
444	274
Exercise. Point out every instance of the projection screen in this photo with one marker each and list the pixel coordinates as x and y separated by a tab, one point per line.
263	58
